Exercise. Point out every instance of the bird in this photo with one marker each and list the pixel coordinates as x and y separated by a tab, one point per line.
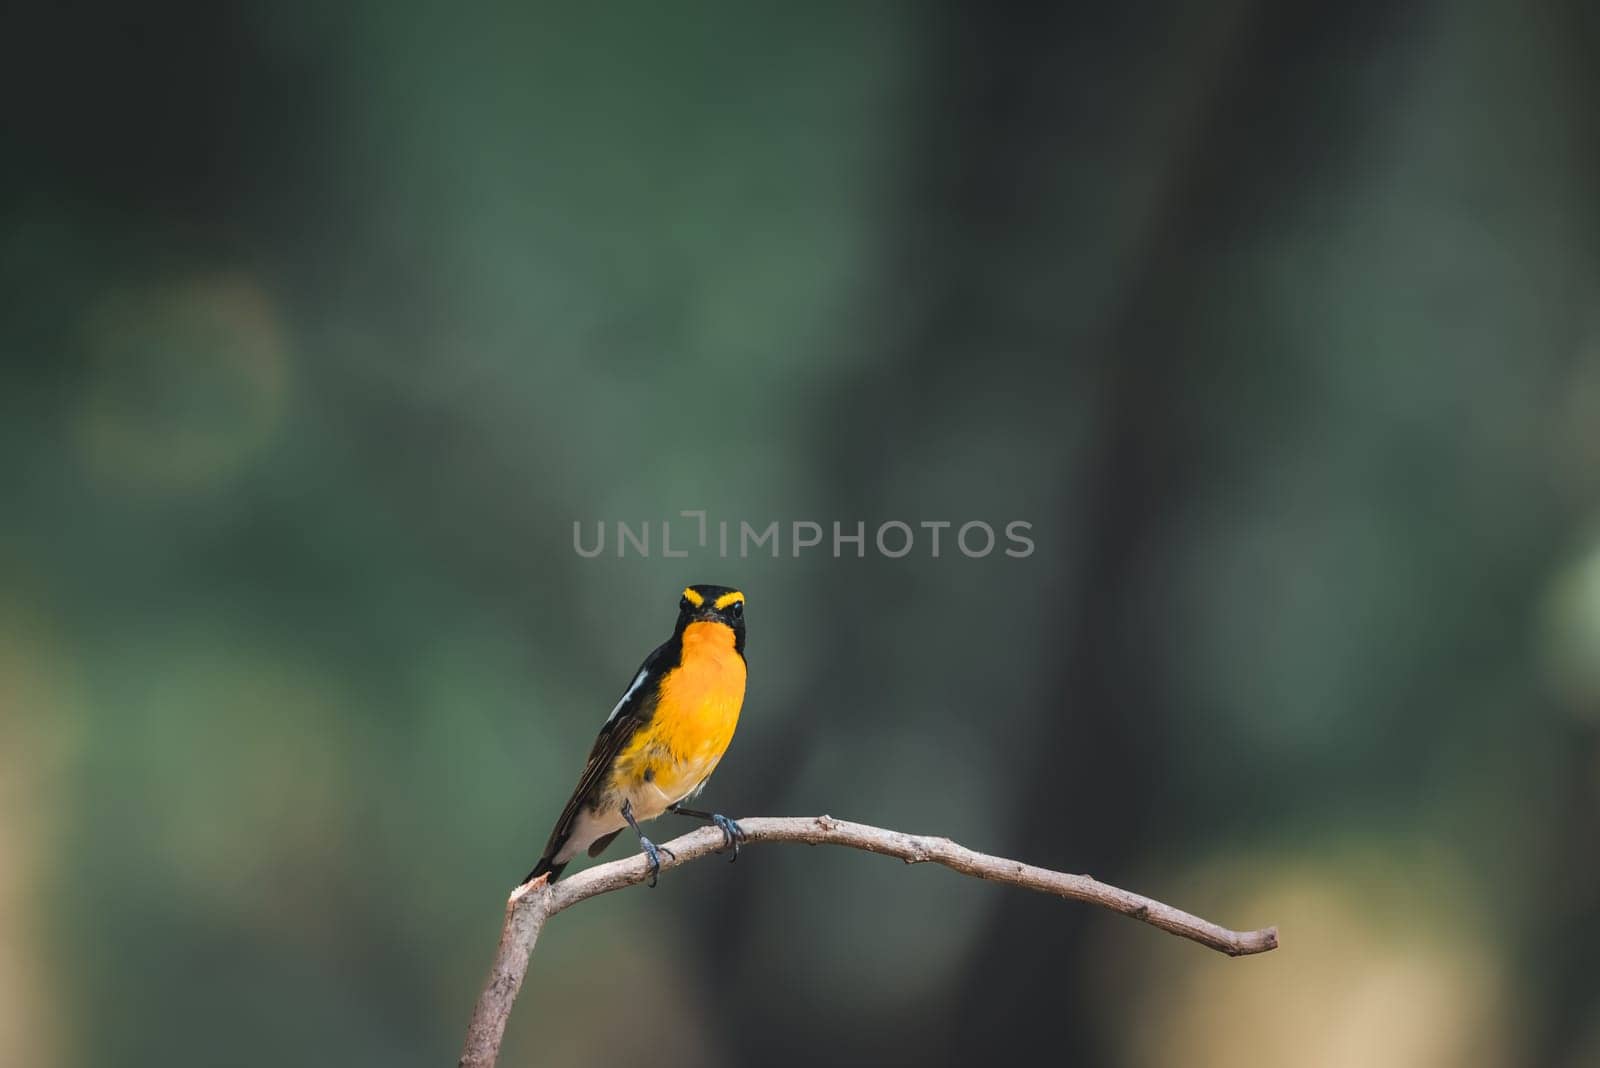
663	739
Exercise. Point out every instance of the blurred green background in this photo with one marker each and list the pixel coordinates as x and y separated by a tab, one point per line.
323	324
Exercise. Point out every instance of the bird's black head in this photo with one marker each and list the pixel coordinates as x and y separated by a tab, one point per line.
713	604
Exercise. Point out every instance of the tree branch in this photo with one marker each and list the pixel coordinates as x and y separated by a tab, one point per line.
533	903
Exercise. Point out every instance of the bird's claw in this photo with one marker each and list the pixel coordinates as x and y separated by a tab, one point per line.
652	854
732	834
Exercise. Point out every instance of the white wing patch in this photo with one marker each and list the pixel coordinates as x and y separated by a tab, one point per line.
638	681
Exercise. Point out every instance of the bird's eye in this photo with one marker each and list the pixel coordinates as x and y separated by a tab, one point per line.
736	610
683	604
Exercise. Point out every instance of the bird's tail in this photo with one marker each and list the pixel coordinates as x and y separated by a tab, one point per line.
545	866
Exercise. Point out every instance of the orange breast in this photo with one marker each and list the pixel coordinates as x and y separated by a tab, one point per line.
695	717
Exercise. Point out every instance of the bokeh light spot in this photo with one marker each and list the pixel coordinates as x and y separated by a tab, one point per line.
186	381
1384	961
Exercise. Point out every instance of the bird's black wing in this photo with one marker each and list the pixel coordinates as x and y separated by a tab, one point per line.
631	712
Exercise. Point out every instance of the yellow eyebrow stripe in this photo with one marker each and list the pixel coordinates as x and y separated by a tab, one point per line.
726	599
693	597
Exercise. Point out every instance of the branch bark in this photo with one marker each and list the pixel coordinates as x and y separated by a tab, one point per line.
532	904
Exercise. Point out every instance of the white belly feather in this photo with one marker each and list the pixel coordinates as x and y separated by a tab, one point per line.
646	799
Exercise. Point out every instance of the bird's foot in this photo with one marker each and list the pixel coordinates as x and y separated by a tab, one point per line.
732	834
652	853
